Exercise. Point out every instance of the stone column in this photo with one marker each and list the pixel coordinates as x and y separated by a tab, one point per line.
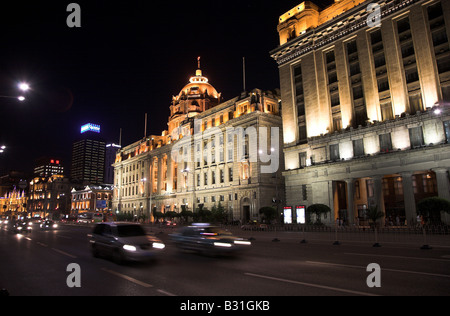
426	66
443	189
378	192
410	201
397	81
350	200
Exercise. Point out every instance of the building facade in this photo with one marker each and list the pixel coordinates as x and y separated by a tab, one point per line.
49	196
88	156
93	198
13	203
48	166
212	153
365	88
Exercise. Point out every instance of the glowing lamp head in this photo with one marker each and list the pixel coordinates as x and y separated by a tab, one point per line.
24	86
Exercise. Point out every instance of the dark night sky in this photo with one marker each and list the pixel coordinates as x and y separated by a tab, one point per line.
127	59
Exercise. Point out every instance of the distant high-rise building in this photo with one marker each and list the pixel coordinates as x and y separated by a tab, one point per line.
110	159
88	156
48	166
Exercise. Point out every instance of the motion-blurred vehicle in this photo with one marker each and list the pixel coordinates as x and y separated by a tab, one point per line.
254	226
4	221
124	242
22	227
48	225
210	240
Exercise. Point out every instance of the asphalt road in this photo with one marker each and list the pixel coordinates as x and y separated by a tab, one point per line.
35	264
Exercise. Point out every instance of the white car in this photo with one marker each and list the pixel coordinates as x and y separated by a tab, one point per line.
124	242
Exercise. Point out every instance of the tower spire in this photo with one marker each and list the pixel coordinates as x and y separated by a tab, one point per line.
198	73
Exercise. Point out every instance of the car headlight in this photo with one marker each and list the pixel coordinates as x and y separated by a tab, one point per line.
55	225
19	228
129	247
242	242
222	244
158	245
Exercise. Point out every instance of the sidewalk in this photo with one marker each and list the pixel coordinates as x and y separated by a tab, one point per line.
367	236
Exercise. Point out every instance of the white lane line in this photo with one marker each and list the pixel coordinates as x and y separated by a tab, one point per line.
384	269
165	292
126	277
41	244
310	285
64	253
395	257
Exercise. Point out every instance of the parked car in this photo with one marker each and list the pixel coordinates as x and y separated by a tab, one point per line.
124	242
209	239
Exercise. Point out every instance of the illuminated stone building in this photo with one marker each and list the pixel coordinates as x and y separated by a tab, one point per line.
92	198
197	163
13	203
365	101
49	196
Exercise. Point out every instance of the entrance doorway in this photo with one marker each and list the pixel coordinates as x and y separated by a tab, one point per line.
245	215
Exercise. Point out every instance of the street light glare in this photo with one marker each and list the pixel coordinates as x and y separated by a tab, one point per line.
24	86
21	98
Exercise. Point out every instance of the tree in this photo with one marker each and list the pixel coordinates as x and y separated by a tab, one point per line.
218	213
269	213
374	215
432	207
318	210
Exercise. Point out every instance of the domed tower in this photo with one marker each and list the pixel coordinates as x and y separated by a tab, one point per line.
196	97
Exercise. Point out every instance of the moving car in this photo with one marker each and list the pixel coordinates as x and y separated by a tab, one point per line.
207	239
124	242
48	224
22	227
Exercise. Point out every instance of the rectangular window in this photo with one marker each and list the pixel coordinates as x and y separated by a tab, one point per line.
385	142
386	111
334	152
416	137
447	130
358	148
302	157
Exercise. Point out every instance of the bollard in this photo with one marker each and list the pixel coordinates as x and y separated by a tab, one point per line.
303	241
336	242
425	245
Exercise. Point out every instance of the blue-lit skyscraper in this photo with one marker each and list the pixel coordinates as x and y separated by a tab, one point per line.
88	156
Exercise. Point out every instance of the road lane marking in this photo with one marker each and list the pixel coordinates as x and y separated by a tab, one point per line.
41	244
126	277
165	292
384	269
64	253
395	257
310	285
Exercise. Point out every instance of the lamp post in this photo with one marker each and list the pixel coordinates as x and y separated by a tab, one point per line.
186	172
22	86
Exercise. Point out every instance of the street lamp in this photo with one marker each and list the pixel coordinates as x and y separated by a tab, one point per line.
24	87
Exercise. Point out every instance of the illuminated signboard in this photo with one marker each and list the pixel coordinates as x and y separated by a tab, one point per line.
90	128
288	215
300	210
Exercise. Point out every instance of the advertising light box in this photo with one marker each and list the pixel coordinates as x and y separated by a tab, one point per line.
90	128
300	211
288	215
